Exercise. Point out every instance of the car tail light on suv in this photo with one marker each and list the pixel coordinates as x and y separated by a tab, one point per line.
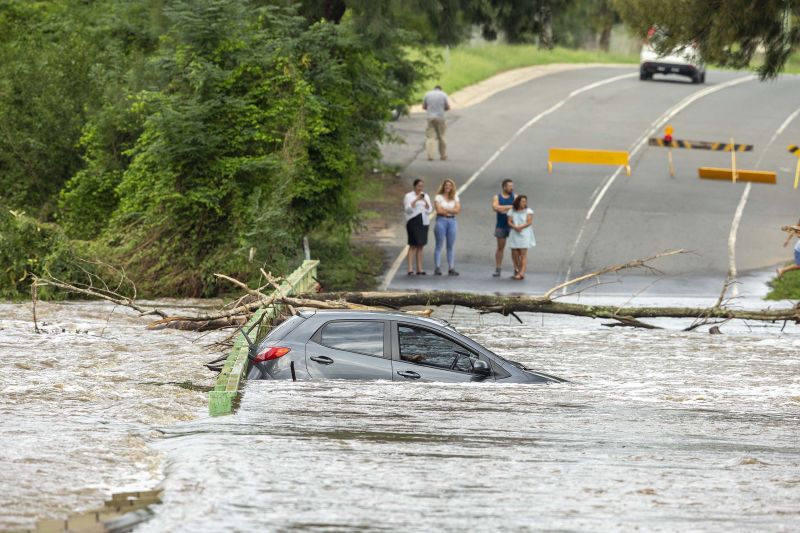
273	352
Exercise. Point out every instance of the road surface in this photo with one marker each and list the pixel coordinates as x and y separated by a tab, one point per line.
587	217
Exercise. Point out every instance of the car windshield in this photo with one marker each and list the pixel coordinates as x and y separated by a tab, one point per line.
509	361
442	322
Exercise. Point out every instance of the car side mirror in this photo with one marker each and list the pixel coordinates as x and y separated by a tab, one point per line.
481	368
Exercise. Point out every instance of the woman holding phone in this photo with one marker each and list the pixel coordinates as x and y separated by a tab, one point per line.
418	208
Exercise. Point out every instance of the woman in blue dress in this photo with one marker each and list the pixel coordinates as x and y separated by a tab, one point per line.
521	238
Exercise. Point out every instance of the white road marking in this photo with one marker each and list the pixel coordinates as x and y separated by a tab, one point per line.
640	143
390	274
737	217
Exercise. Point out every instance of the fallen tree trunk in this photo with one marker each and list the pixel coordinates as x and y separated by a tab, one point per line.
198	324
506	305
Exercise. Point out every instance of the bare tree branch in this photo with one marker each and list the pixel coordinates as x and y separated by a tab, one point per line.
636	263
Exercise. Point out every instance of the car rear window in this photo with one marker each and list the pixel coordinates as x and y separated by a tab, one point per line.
284	328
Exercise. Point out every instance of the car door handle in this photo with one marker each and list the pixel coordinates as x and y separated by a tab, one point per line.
321	359
409	374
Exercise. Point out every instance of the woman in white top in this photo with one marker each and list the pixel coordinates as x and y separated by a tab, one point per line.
521	238
418	208
447	207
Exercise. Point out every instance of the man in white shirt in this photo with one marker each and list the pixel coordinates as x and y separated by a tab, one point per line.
435	103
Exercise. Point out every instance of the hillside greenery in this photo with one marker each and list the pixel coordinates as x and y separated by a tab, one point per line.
175	139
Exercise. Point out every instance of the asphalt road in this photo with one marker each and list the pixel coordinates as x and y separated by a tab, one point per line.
588	217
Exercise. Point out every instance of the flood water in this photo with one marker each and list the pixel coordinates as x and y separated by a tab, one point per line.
658	430
79	403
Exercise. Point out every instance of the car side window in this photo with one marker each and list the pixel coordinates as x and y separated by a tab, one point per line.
422	346
359	336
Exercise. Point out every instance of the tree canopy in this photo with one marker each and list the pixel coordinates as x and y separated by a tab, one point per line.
183	137
727	32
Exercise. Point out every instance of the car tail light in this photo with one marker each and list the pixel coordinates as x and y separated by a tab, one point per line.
271	353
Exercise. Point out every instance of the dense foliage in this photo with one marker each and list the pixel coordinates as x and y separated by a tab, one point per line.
187	137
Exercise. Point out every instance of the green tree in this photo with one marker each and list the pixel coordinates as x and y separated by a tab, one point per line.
46	82
586	22
727	32
520	21
255	138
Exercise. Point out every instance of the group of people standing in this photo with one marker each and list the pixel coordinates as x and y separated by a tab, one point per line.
513	227
514	217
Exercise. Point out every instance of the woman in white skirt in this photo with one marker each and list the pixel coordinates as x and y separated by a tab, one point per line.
521	238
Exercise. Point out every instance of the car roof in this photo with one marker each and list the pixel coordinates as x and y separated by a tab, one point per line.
371	315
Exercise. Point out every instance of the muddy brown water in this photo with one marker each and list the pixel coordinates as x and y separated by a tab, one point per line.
658	430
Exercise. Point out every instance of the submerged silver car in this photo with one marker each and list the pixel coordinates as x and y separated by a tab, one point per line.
376	345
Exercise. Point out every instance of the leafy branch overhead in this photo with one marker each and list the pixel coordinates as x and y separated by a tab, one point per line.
730	33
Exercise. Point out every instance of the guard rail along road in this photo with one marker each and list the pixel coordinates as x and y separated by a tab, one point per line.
221	400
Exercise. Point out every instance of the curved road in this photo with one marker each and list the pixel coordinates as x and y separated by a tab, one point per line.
588	217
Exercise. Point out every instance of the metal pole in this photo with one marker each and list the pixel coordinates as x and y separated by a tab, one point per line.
671	166
306	249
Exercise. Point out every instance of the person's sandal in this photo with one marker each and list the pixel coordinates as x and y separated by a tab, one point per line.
423	273
410	273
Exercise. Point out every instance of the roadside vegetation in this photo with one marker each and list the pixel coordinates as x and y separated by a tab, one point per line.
786	287
793	64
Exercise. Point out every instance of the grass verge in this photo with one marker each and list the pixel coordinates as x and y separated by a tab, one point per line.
787	287
355	262
461	66
792	65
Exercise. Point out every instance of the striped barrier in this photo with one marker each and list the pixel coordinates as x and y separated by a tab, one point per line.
727	174
588	157
700	145
221	400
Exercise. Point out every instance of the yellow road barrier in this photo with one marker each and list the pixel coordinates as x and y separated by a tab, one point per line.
588	157
756	176
793	149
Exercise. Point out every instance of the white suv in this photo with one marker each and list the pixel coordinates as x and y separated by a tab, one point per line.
685	62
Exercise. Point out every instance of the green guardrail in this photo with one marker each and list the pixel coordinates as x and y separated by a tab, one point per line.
222	399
